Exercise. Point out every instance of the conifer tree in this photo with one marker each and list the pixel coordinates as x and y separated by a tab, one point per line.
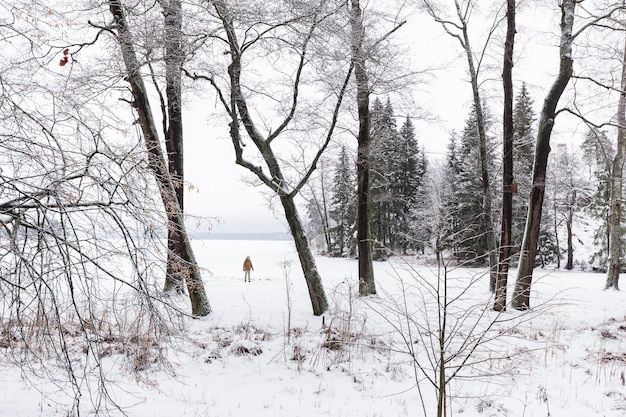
451	220
383	138
598	153
343	207
465	204
409	165
523	156
398	169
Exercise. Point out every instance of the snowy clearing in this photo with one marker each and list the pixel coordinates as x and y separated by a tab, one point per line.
564	357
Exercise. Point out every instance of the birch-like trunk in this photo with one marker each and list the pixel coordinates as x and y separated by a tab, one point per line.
156	160
615	223
521	293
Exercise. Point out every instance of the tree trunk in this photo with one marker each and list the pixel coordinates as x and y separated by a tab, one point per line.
366	268
174	57
521	294
507	161
556	236
487	219
307	262
570	220
239	112
615	224
199	302
325	216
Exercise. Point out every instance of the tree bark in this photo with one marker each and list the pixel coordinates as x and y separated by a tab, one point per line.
174	57
521	294
366	268
615	223
568	225
507	160
307	262
156	160
556	236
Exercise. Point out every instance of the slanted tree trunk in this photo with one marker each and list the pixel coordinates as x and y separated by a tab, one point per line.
236	105
324	212
311	276
507	160
156	160
174	57
615	222
521	293
366	268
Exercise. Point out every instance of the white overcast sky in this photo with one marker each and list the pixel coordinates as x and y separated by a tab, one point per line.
221	193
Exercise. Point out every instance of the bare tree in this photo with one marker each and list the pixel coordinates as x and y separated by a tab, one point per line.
173	131
156	160
521	294
506	243
289	35
447	331
615	222
459	30
364	241
80	265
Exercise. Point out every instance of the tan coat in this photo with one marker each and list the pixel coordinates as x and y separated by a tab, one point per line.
247	265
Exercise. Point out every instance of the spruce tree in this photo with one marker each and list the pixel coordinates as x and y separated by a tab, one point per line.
384	137
523	156
398	169
451	218
465	204
343	207
598	153
409	169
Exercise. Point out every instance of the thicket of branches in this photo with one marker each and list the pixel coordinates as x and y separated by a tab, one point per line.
91	208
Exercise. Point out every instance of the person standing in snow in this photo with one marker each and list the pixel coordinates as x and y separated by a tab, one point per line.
247	267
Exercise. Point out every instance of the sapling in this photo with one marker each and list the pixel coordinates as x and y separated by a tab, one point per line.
447	328
286	266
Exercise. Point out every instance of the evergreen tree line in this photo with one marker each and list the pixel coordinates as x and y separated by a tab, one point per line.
398	193
406	219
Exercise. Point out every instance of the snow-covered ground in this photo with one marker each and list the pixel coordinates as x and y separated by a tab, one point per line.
262	353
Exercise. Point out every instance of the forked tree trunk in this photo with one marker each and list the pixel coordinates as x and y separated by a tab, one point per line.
521	294
507	159
366	268
156	160
236	105
615	224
